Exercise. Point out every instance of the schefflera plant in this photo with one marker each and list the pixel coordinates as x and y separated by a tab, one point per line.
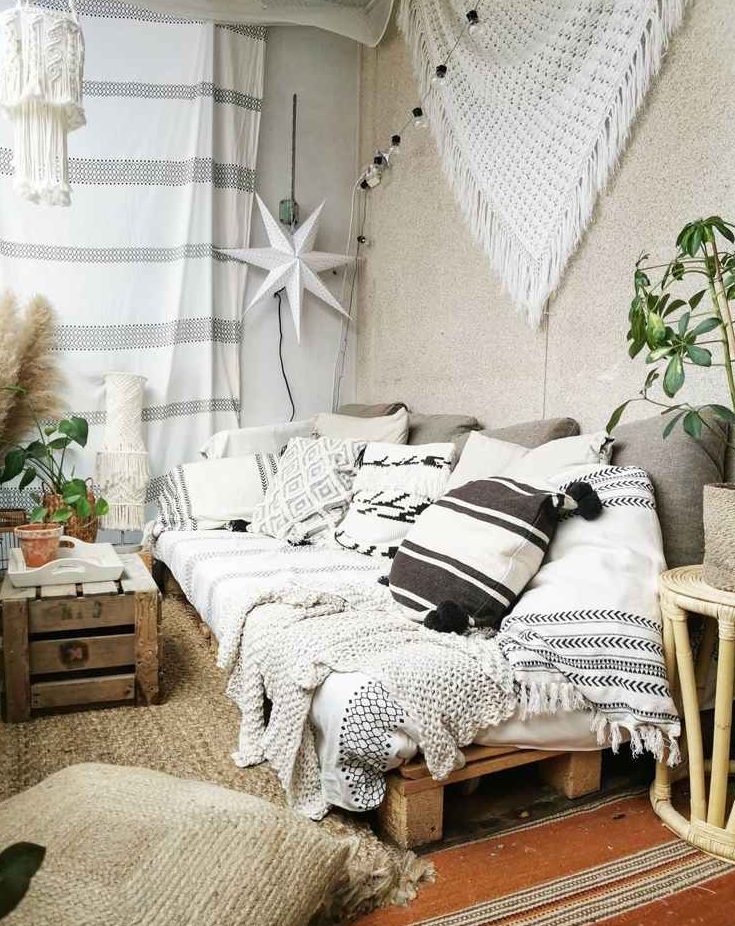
680	333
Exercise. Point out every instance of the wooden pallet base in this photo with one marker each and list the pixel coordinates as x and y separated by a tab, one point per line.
413	809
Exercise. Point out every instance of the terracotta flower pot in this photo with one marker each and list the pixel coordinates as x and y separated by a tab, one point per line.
39	543
75	527
719	535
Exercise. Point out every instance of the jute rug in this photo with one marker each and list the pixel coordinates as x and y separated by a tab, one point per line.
191	734
611	863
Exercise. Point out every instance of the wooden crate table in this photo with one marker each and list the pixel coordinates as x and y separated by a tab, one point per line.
75	645
710	827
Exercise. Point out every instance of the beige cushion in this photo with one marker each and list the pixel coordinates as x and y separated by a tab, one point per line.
265	438
387	429
535	433
679	468
128	845
371	411
440	429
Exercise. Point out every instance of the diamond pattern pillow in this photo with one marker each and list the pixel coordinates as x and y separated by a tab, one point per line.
311	490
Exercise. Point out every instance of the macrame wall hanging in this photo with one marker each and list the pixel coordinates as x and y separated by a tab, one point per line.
531	116
122	461
41	67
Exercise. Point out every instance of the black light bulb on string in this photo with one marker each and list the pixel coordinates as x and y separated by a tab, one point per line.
474	26
440	74
395	147
419	119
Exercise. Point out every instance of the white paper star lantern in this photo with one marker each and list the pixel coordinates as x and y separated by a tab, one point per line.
291	263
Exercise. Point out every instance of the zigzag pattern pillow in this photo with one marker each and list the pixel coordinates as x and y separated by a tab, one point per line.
479	546
311	490
395	484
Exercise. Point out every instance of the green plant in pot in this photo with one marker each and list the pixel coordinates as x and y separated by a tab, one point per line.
66	502
678	330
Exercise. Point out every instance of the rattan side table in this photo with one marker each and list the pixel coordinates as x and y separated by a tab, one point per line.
710	826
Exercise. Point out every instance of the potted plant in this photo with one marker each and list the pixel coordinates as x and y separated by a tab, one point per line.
696	330
65	500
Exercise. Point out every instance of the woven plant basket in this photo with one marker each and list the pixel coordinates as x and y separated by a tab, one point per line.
719	535
74	527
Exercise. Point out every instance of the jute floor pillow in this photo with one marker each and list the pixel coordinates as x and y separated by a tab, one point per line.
129	846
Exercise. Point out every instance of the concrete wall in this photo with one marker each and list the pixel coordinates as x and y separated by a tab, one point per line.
435	328
323	69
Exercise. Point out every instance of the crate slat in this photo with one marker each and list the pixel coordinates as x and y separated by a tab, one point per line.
73	614
79	691
99	588
58	591
79	653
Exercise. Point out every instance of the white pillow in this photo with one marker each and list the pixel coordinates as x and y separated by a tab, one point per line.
391	429
484	457
208	494
394	485
266	438
310	491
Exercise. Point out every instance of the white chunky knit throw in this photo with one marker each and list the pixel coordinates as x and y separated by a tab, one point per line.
450	686
532	117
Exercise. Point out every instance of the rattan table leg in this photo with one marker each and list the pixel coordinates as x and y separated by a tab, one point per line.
723	721
662	782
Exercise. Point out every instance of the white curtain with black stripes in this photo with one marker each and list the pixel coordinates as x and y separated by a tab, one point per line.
162	176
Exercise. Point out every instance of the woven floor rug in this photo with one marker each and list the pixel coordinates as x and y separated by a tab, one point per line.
191	734
611	863
532	117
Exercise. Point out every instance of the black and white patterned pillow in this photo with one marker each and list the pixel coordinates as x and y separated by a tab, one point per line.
479	546
208	494
394	485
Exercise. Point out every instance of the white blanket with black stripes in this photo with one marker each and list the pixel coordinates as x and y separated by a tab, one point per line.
587	630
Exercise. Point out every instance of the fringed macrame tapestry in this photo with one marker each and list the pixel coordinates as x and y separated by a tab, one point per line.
533	116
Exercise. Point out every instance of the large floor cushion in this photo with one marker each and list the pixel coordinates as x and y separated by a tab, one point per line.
128	845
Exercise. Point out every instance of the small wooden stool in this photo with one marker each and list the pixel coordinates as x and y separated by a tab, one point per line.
75	645
684	592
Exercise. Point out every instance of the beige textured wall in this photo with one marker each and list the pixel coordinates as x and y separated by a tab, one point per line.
435	328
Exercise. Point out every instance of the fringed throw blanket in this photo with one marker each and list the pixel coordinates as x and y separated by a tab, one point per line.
587	631
450	686
533	115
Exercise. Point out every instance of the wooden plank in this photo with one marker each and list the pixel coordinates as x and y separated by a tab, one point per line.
76	654
81	691
418	769
100	588
10	593
575	773
58	591
80	613
147	645
411	819
482	767
15	657
136	577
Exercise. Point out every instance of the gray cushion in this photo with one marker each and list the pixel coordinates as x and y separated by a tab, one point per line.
679	468
439	429
371	411
535	433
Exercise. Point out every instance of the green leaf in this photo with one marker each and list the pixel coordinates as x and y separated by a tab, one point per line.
697	298
693	424
49	430
38	514
659	354
28	476
76	428
695	240
707	324
101	507
674	376
72	499
13	464
74	488
673	306
640	279
684	322
677	270
653	375
672	424
655	330
723	412
59	443
699	355
18	864
63	514
83	508
616	416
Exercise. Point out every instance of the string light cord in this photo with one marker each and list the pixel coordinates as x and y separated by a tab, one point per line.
280	356
339	367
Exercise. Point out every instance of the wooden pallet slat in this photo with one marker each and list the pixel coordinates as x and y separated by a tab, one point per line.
81	653
81	691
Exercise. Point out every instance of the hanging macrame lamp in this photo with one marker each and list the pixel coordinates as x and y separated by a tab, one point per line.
41	68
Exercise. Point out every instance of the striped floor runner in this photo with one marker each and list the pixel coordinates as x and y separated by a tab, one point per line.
611	863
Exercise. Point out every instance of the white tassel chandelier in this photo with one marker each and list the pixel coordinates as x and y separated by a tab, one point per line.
41	68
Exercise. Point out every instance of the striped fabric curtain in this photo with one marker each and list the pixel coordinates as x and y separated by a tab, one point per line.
162	175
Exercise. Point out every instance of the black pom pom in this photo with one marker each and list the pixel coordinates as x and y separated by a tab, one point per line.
238	526
449	617
588	501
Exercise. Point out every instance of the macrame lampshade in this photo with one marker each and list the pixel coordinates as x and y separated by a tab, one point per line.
122	462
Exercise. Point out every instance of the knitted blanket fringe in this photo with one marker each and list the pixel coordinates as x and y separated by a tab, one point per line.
532	276
536	699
